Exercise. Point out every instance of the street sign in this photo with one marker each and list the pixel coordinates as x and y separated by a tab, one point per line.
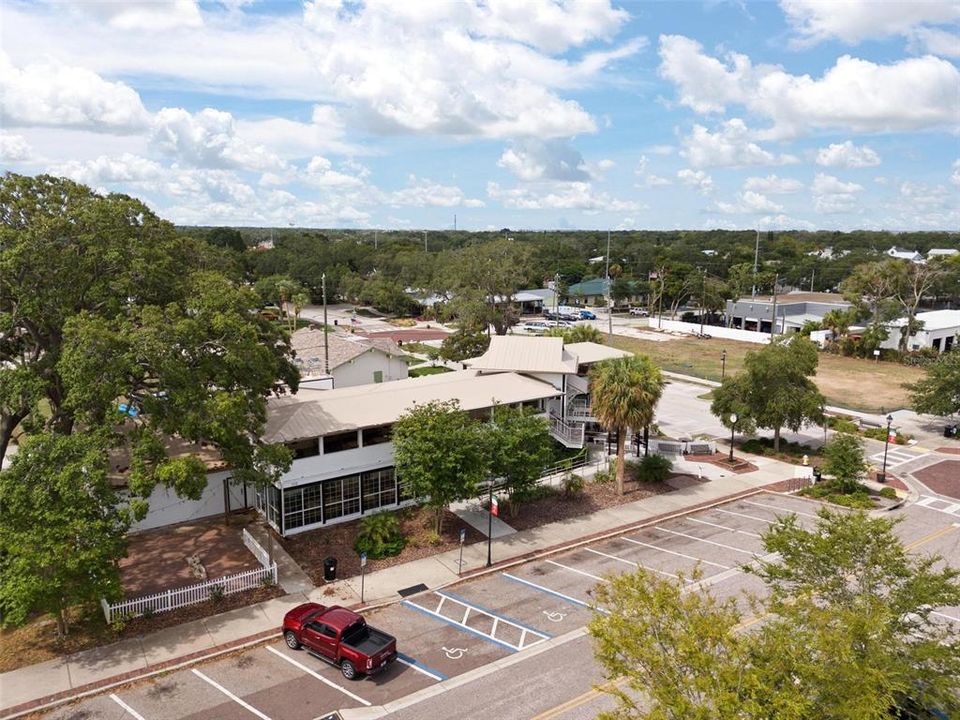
463	535
495	506
363	560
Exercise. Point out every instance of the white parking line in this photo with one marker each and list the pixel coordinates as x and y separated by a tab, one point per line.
548	591
704	540
631	562
578	571
722	527
780	509
419	669
126	707
674	552
230	695
743	515
318	676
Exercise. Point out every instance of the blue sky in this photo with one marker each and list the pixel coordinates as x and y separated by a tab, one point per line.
798	114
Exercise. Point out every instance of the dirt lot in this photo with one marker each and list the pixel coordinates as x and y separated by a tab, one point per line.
848	382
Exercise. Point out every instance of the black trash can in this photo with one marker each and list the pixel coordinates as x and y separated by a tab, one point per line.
330	569
816	475
949	430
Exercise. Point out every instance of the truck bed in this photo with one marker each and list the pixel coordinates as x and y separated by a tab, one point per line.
367	641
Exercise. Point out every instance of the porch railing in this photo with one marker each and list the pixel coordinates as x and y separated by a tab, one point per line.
570	434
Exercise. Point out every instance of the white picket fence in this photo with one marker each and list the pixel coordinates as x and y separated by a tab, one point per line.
256	548
188	595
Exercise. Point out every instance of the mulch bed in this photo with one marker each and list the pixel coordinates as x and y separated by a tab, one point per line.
943	478
310	549
738	467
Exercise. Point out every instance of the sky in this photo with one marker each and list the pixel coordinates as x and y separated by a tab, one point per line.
489	114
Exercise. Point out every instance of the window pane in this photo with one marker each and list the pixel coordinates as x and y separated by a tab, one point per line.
340	442
377	435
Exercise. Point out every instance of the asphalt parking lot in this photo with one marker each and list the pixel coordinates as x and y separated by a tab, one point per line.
445	633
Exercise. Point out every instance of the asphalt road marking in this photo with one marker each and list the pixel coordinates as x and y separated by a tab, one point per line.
786	511
723	527
242	703
704	540
126	707
429	672
674	552
743	515
578	571
548	591
318	676
631	562
931	537
928	501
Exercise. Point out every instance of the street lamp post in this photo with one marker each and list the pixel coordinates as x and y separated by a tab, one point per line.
723	364
882	477
490	526
733	427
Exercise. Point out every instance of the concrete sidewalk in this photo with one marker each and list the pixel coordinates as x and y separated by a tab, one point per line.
97	669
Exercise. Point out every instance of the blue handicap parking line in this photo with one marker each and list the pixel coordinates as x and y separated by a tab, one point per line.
491	613
459	626
407	660
548	591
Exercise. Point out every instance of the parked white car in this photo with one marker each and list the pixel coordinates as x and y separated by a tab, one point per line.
640	312
537	327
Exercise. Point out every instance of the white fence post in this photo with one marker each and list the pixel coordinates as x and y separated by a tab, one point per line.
106	610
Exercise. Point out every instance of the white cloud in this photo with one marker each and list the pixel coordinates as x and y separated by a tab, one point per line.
935	42
854	94
560	196
320	173
854	20
544	160
847	155
151	15
748	202
924	197
955	177
53	94
698	179
772	185
832	195
124	169
290	138
423	193
661	149
649	180
730	147
784	222
208	139
14	148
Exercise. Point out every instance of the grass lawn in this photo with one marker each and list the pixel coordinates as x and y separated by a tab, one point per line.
420	372
847	382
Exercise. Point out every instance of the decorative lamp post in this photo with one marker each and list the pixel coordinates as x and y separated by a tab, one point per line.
733	427
490	527
882	477
723	364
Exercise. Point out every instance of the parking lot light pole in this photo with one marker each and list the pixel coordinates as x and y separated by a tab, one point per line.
723	364
733	427
882	477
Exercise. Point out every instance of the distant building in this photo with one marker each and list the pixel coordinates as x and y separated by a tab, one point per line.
941	252
901	254
793	310
354	359
940	329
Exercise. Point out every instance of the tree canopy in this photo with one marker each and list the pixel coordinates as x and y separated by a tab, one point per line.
939	392
774	390
520	445
847	633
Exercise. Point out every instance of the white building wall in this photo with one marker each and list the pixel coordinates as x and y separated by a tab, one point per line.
923	338
714	330
360	370
167	509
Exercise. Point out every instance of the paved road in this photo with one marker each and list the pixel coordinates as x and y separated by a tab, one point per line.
508	642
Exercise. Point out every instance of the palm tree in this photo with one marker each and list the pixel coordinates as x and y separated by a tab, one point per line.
625	392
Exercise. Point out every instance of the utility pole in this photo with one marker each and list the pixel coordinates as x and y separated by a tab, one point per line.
609	293
425	241
454	222
703	299
756	257
813	274
773	321
326	337
556	295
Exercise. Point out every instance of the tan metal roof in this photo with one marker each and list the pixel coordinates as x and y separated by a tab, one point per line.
525	354
590	352
312	413
308	345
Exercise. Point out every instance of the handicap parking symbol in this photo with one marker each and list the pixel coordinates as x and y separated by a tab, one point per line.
454	653
554	616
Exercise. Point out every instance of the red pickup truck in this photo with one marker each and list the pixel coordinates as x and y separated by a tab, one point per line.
341	637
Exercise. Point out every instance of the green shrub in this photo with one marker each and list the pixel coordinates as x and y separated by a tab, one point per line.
216	593
888	493
842	424
573	485
148	613
651	469
602	477
831	491
119	622
880	434
380	536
